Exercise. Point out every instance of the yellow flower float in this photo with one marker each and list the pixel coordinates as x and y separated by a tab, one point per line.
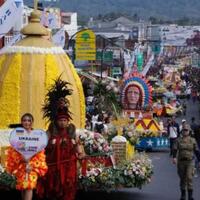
26	72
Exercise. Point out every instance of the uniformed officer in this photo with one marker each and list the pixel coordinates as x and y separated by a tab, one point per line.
183	153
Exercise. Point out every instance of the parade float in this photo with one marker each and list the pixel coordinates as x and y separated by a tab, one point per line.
136	97
28	69
164	95
108	166
111	154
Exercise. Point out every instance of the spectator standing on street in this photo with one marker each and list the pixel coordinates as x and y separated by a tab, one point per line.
183	153
173	132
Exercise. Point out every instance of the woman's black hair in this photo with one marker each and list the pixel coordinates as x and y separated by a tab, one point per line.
27	115
14	125
20	125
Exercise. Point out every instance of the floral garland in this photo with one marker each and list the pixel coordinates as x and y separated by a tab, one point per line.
34	50
137	172
51	70
134	173
15	166
94	143
97	177
2	59
10	93
128	131
80	91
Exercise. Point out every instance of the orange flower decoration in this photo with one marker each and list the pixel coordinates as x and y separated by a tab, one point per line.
16	165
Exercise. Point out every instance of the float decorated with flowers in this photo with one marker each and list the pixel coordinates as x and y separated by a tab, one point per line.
35	63
27	71
129	174
136	98
108	166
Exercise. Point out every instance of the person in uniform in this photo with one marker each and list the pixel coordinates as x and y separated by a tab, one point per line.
183	153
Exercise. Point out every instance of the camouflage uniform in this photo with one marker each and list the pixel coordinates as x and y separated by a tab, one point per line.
186	147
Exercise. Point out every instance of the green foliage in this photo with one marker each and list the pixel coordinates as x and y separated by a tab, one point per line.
129	174
7	180
108	100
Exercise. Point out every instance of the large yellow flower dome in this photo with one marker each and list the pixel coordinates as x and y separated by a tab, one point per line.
26	72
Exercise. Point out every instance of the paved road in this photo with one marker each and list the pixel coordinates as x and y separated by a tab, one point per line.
165	181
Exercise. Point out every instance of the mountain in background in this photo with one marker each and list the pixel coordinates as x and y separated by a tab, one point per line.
163	9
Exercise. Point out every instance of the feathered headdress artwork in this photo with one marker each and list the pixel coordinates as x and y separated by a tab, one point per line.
137	80
56	102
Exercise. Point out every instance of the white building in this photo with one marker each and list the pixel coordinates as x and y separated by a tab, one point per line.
154	33
69	20
121	26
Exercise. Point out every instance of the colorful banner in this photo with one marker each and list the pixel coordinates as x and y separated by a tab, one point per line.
10	12
28	144
85	47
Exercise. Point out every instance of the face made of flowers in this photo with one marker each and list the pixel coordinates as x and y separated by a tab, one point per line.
133	96
62	123
27	123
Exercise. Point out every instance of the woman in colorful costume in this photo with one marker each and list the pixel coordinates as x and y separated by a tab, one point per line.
17	165
62	151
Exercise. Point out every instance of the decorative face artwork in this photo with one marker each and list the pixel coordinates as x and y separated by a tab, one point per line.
136	93
133	97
